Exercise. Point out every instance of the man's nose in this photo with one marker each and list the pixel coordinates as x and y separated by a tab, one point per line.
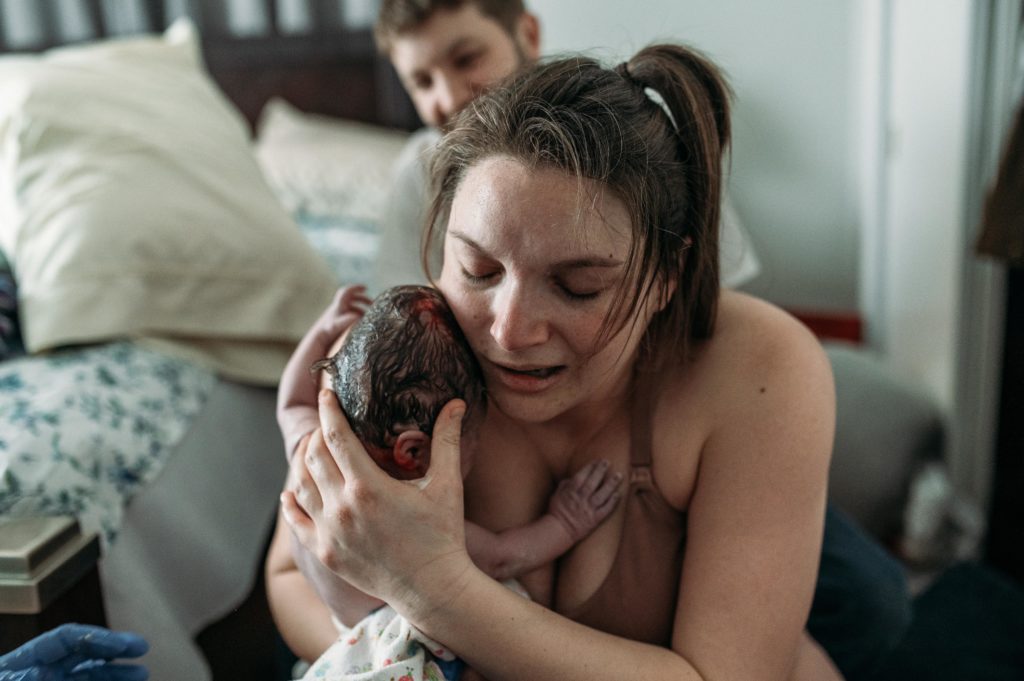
518	322
453	93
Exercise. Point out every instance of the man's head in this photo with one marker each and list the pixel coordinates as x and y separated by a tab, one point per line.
449	51
397	368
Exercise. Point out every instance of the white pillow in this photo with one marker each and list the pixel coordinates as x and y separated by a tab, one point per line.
324	166
131	206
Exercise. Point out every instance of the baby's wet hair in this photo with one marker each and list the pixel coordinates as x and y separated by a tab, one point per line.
401	363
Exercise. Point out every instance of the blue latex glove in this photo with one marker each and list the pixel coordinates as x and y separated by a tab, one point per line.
75	652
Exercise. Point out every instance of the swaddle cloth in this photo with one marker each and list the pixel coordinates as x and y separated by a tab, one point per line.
384	646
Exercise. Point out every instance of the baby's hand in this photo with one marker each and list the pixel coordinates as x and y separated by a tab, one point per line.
344	310
584	500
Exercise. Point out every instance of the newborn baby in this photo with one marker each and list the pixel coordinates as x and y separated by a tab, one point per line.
398	365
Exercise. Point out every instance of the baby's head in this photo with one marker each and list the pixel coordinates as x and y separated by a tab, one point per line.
398	366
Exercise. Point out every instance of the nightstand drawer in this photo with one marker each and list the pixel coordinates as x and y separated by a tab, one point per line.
48	576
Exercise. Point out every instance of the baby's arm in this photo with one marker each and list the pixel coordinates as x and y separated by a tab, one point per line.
579	505
296	397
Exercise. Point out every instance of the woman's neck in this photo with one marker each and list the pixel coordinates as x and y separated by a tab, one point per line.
559	440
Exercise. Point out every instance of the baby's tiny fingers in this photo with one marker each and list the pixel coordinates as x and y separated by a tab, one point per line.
352	294
603	510
608	487
591	476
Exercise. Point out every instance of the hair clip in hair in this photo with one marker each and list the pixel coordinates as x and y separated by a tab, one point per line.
656	97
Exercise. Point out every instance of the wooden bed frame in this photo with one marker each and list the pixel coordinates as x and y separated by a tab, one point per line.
327	69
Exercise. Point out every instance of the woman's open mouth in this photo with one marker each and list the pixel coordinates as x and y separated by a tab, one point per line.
533	379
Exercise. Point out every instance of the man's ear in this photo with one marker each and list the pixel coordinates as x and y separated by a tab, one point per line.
528	35
411	450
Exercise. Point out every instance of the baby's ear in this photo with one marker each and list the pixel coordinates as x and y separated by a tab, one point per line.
411	450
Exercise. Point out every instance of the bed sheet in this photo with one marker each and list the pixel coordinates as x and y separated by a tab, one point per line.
190	546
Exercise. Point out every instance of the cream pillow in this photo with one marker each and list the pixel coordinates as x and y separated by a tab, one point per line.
131	206
326	167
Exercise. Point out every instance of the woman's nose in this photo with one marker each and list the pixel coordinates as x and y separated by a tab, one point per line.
518	322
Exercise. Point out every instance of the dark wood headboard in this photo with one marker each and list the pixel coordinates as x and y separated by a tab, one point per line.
323	66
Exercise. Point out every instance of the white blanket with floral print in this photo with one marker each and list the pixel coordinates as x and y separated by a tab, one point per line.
82	430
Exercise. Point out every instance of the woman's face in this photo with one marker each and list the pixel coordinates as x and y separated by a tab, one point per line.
531	268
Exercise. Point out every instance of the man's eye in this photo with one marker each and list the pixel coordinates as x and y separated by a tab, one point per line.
467	60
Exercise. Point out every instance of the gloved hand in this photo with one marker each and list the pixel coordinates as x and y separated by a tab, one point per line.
75	652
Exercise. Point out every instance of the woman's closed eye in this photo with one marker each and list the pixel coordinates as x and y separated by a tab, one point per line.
584	284
578	293
478	275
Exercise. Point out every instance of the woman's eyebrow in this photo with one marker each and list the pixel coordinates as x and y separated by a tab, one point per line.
569	264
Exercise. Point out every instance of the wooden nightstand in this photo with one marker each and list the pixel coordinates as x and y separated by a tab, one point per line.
48	576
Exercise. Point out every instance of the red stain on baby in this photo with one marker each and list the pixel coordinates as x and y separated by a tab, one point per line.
426	310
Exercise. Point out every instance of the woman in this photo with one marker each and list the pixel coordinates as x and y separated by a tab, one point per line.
580	208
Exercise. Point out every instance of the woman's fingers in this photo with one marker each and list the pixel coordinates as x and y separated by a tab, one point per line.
322	469
345	448
446	452
298	520
301	483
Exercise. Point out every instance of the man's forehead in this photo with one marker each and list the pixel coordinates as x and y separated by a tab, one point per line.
444	32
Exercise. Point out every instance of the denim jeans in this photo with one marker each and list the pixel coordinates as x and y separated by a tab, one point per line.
861	606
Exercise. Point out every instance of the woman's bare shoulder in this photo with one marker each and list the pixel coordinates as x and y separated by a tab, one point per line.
754	339
759	359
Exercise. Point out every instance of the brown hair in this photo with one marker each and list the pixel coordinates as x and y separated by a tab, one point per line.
597	123
397	16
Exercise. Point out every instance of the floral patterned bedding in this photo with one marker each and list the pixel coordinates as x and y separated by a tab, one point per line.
82	430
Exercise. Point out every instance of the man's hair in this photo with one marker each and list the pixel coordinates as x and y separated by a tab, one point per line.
397	16
401	363
660	154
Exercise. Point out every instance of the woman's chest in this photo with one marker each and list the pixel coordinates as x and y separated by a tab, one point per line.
511	485
647	525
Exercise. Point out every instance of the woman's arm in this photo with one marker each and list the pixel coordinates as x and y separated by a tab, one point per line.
756	513
302	594
302	618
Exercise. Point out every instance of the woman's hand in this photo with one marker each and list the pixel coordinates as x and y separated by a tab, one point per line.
402	542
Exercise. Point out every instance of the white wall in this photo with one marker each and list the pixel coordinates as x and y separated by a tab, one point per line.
794	67
926	189
850	132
